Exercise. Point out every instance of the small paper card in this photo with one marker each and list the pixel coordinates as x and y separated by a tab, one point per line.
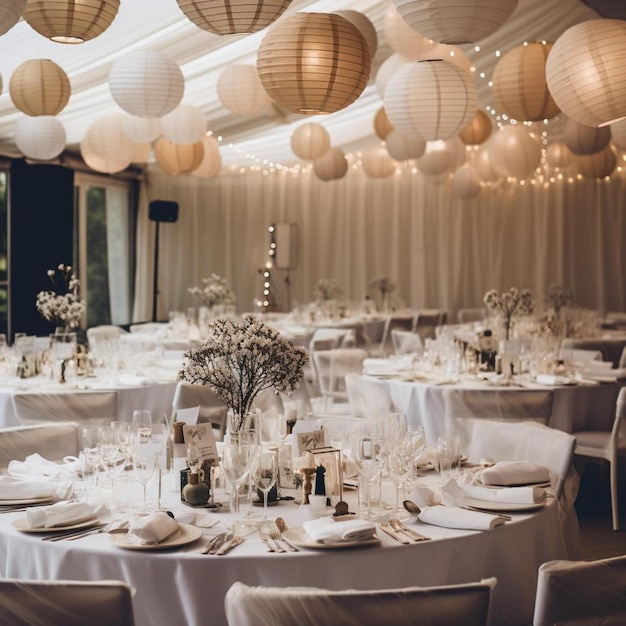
188	416
200	442
310	440
330	460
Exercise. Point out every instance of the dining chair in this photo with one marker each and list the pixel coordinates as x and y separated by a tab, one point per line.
608	446
579	355
581	592
324	339
426	322
622	359
367	397
212	408
466	316
373	335
451	605
610	350
395	322
104	332
406	342
65	603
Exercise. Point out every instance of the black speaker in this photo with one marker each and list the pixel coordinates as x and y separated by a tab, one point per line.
163	211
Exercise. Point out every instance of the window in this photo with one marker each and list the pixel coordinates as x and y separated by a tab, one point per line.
4	254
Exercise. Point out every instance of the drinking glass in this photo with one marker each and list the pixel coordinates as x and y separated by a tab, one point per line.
399	467
264	474
160	432
114	455
237	455
91	458
145	464
367	457
444	458
142	423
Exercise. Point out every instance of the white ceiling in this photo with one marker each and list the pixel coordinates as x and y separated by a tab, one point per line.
160	25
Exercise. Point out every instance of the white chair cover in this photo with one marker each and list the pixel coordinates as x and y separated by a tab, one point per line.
579	355
576	593
399	322
332	366
212	408
622	359
406	342
368	398
427	321
149	327
452	605
465	316
65	603
611	349
105	332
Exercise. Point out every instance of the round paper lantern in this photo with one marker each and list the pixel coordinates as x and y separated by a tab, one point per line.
519	83
618	132
146	83
455	21
382	125
211	164
582	139
241	92
402	38
185	124
431	99
105	146
484	167
438	159
178	158
10	13
558	154
227	17
377	163
39	87
364	24
513	151
141	152
452	54
386	70
466	182
586	72
403	147
42	137
596	165
71	21
332	166
314	63
141	129
310	141
478	130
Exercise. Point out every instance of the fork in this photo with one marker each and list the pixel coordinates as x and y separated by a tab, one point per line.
270	531
277	536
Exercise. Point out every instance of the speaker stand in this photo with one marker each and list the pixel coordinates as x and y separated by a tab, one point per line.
155	275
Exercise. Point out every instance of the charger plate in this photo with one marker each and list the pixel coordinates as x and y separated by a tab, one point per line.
485	505
22	526
185	534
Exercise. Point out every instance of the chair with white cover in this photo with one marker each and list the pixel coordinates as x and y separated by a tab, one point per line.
104	332
466	316
622	359
393	322
373	336
406	342
466	604
580	356
368	398
426	322
212	408
581	592
65	603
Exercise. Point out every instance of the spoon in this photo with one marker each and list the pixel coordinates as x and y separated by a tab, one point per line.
281	524
411	507
401	529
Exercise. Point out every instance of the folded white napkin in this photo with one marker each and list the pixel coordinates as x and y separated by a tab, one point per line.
455	517
509	473
12	488
152	529
327	530
58	514
36	465
552	380
510	495
427	457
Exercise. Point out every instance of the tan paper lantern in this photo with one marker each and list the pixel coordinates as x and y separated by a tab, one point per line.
141	129
314	63
438	159
387	69
598	165
586	72
403	147
382	125
310	141
227	17
146	83
478	130
364	24
39	87
106	147
211	164
431	99
71	21
558	154
178	158
514	152
141	152
241	92
42	137
484	167
377	163
519	83
466	182
582	139
402	38
185	124
10	13
332	166
618	133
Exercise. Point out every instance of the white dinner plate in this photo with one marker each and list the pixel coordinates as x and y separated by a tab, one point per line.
185	534
21	525
544	484
299	537
21	501
485	505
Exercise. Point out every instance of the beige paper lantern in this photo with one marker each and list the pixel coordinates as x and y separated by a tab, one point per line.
141	129
314	63
185	124
42	137
618	133
71	21
377	163
586	72
364	24
382	125
439	159
241	92
598	165
310	141
514	152
39	87
558	154
484	168
452	54
146	83
431	99
106	147
211	164
455	21
402	38
466	182
478	130
387	69
403	147
227	17
141	152
332	166
519	83
10	13
582	139
178	158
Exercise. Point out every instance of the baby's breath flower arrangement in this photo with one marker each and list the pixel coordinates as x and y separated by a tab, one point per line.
384	286
509	303
241	358
63	306
215	291
327	289
559	298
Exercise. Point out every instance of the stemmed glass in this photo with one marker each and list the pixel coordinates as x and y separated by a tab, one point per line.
367	457
145	463
237	455
142	422
114	455
159	435
265	472
91	458
400	465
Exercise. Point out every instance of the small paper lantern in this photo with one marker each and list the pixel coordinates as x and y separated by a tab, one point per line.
478	130
146	83
382	125
438	159
211	164
484	167
513	151
431	99
364	24
558	154
241	92
39	87
519	83
10	13
310	141
582	139
332	166
466	182
598	165
106	147
42	137
387	69
618	132
402	38
586	72
455	21
185	124
314	63
403	147
377	163
227	17
141	129
71	21
178	158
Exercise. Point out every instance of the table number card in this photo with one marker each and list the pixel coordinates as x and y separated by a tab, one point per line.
201	440
188	416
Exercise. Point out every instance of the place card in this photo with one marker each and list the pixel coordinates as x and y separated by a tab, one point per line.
200	443
188	416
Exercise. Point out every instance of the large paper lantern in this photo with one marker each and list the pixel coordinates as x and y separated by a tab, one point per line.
382	125
618	132
598	165
514	152
241	92
402	38
582	139
39	87
42	137
364	24
10	13
519	83
558	154
377	163
227	17
310	141
146	83
403	147
178	158
466	182
314	63
332	166
211	164
586	72
387	69
185	124
106	147
141	152
452	54
431	99
71	21
478	130
141	129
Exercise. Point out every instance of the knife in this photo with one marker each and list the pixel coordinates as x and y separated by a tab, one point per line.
229	545
393	534
214	543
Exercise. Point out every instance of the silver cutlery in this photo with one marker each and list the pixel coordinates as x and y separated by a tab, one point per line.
392	533
400	528
215	543
70	534
266	528
281	525
229	545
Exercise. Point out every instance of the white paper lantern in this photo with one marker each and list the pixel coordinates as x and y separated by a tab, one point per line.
10	13
402	38
211	164
42	137
146	83
310	141
141	129
241	92
185	124
598	165
377	163
558	154
364	24
106	147
484	167
455	21
178	158
387	69
618	132
582	139
514	151
403	147
478	130
438	159
466	182
431	99
586	72
332	166
39	87
452	54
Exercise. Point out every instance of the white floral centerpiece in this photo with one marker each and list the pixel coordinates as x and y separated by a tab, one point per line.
215	291
508	304
384	286
241	358
559	298
62	307
327	289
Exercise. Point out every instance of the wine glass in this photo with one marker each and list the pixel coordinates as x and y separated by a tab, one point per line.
265	472
114	456
91	457
237	455
145	464
400	465
367	457
160	432
142	422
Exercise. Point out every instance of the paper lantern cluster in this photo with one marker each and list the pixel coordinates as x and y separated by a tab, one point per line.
39	87
241	92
